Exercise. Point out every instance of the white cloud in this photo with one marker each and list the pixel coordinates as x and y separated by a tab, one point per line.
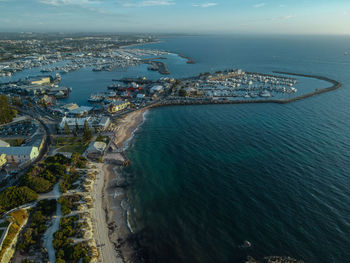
146	3
69	2
282	18
205	5
259	5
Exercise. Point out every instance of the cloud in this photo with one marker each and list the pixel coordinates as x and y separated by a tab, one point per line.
259	5
146	3
282	18
69	2
205	5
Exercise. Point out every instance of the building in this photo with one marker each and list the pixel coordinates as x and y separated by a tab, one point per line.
140	96
96	150
101	123
118	106
48	100
70	106
104	123
3	160
44	80
157	88
37	141
80	111
19	155
4	144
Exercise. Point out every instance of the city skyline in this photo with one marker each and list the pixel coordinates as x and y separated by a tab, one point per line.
177	16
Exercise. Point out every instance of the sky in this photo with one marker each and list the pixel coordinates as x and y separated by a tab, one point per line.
177	16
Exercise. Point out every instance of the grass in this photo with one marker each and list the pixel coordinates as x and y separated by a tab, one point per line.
71	144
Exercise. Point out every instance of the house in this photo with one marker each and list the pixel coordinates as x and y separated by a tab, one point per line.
4	144
117	106
96	150
19	155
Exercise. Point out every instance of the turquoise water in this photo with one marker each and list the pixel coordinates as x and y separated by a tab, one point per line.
206	178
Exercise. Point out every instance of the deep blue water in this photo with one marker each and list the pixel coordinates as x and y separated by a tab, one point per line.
209	177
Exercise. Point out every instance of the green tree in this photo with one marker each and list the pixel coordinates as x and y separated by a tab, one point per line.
74	132
15	196
6	112
182	92
87	132
16	101
66	128
76	127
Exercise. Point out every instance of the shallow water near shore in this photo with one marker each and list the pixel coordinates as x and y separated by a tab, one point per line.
209	177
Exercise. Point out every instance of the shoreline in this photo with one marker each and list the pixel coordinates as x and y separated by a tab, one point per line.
113	191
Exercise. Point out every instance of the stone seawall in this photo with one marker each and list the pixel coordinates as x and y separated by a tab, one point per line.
190	101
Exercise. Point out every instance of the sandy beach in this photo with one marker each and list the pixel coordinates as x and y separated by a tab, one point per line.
112	232
126	126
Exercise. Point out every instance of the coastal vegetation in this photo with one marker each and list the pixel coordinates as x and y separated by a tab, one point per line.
66	250
68	203
68	180
15	196
32	235
41	178
7	113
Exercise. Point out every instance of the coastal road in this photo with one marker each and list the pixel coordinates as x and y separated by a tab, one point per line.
106	248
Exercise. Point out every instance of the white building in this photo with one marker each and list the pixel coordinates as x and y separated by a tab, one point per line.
18	155
100	123
96	149
157	88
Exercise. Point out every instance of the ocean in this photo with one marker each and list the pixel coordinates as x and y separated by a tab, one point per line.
206	178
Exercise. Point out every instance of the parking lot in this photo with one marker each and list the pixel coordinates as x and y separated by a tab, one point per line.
25	128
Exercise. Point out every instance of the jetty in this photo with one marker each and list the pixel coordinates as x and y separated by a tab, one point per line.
159	66
189	59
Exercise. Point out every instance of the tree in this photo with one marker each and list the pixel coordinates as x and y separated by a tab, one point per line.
57	128
96	128
16	101
74	132
66	128
15	196
182	92
87	132
6	112
76	127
